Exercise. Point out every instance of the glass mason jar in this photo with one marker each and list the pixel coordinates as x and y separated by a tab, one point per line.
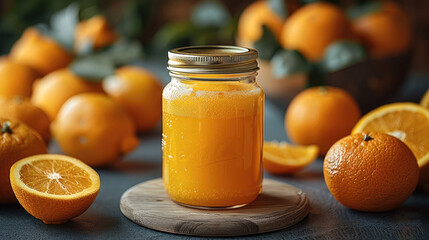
213	120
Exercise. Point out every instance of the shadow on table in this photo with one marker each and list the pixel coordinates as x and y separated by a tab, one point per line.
313	174
409	212
10	209
423	190
310	174
133	166
90	223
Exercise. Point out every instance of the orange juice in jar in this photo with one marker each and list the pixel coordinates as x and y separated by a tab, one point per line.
213	114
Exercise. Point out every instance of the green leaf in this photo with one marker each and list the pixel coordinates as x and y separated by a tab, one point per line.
227	34
342	54
63	24
89	12
279	7
43	29
85	48
134	18
172	33
98	65
363	9
124	51
93	67
267	45
205	36
210	14
286	63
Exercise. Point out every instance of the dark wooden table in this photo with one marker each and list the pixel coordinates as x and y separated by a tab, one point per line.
327	219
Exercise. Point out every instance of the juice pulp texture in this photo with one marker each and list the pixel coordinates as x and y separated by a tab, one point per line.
212	142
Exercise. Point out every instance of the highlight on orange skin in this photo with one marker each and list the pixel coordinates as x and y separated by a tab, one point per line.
311	29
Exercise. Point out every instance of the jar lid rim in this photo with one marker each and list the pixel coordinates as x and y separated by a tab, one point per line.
213	59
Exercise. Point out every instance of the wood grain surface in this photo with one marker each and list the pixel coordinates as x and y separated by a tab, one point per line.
278	206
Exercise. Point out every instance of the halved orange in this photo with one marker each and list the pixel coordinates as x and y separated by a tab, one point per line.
282	158
54	188
425	100
407	121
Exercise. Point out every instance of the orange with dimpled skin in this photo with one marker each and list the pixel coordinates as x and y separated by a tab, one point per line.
17	141
370	172
22	109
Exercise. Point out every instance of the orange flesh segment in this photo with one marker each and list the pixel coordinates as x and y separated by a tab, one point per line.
56	177
290	155
414	132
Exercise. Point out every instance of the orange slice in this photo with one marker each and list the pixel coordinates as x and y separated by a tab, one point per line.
282	158
425	100
54	188
406	121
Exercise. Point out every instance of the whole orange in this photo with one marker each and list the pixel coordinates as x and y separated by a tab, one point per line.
140	93
257	14
22	109
15	78
321	116
40	52
94	128
53	90
17	141
96	31
311	28
370	172
385	32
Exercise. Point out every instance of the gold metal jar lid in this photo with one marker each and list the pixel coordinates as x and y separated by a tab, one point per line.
213	60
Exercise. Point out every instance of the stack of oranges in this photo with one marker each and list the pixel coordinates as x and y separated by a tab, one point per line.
384	29
43	84
94	121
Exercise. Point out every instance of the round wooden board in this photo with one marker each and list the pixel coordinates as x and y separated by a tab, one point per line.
278	206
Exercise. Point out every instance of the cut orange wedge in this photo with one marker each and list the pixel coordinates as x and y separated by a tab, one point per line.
283	158
54	188
407	121
425	100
